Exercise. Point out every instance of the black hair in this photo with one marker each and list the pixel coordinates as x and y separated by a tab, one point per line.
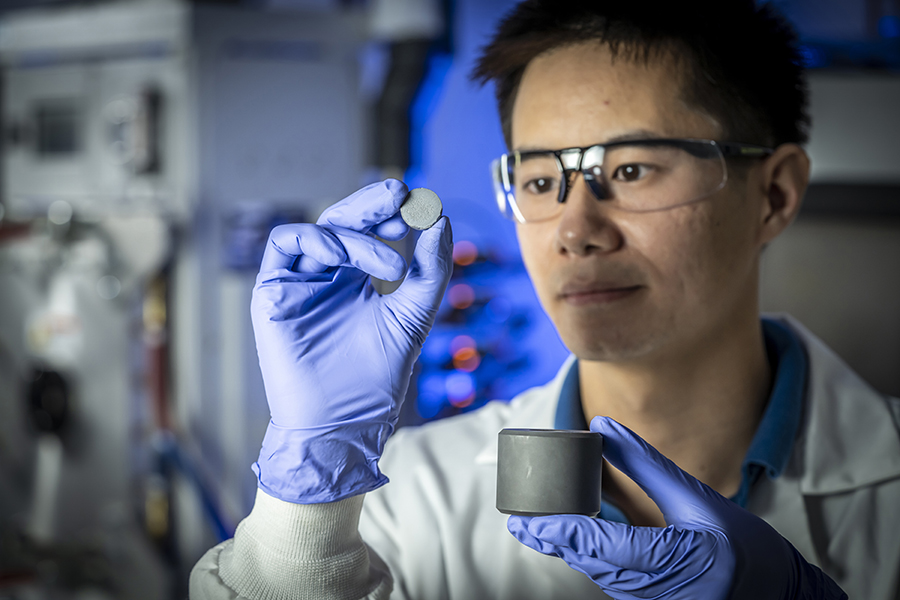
740	62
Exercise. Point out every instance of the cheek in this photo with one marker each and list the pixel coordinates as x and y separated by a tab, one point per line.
529	243
731	238
681	249
535	245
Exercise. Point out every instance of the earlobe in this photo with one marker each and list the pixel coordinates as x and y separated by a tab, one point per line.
785	177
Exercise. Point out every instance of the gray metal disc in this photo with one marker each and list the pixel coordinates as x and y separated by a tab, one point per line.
421	209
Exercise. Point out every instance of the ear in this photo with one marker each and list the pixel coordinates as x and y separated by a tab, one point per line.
784	177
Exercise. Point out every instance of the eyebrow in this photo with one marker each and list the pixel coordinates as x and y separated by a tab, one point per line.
635	134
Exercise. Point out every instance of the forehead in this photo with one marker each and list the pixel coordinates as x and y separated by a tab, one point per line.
580	95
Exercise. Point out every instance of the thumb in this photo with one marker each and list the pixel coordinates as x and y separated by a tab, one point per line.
682	498
430	269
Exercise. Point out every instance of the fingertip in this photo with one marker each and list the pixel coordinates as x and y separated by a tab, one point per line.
618	440
516	524
391	265
438	239
393	229
443	225
307	264
446	234
396	187
446	231
518	527
397	270
638	460
434	252
537	526
609	427
601	424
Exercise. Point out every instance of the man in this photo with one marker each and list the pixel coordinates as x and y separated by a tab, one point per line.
654	152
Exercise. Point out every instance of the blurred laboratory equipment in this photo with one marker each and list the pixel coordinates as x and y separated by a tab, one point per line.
413	31
149	146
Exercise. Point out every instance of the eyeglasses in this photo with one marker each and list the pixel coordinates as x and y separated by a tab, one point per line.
635	175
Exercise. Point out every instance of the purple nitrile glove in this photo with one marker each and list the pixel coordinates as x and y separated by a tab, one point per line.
712	548
336	357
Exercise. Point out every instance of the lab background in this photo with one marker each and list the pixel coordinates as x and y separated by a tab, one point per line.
147	147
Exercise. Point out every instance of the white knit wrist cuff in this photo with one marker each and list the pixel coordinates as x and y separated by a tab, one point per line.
285	551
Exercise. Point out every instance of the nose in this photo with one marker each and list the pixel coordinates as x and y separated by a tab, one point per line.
585	225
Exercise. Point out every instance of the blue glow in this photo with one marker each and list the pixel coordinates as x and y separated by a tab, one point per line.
437	347
432	384
813	58
460	386
429	406
499	309
421	110
889	27
431	398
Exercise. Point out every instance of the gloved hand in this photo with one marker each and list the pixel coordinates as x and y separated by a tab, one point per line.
336	357
712	548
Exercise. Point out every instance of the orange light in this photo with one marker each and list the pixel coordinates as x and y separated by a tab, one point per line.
466	359
463	402
464	253
460	342
461	296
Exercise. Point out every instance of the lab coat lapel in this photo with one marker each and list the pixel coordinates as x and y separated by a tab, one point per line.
780	502
847	440
848	436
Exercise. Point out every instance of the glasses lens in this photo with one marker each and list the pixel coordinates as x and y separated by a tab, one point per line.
536	178
641	177
637	177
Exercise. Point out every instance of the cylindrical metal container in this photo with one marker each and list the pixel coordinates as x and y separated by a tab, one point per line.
549	472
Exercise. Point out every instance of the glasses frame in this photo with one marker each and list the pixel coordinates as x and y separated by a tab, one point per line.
569	161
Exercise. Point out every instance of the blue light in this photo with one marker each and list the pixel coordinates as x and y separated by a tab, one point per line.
429	406
889	27
460	386
431	398
421	110
432	384
436	348
499	309
813	58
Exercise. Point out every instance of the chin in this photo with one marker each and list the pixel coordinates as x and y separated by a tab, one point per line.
612	343
609	352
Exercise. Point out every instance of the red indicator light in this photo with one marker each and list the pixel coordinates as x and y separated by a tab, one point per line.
461	296
466	359
460	342
464	253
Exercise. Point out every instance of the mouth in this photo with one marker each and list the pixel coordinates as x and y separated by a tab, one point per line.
597	294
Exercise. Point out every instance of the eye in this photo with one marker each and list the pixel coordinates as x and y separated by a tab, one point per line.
631	172
540	185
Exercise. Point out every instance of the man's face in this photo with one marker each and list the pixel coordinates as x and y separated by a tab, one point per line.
631	286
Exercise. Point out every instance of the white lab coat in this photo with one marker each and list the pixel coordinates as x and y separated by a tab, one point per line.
436	527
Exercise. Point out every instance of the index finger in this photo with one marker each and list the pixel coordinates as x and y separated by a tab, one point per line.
366	208
677	493
291	241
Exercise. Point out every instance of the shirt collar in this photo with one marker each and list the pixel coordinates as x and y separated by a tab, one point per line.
569	413
771	446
